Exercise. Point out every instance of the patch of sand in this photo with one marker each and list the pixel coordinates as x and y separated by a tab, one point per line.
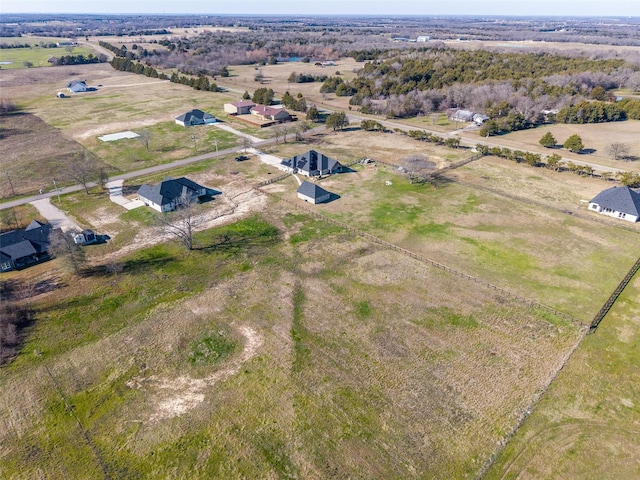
176	396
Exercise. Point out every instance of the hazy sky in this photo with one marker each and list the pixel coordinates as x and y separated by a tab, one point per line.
334	7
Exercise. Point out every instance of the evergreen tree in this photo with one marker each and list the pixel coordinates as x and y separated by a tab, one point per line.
548	140
573	143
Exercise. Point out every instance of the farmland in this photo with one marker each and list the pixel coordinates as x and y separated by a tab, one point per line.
402	330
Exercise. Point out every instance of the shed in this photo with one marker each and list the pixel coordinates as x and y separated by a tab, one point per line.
310	192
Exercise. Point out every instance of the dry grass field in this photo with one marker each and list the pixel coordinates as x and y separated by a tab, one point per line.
564	261
347	360
596	137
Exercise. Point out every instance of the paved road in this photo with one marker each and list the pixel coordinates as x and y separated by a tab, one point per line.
128	175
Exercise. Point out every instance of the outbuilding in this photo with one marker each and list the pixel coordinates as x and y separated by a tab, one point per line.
310	192
77	86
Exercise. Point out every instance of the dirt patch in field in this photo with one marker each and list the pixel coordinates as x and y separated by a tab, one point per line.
176	396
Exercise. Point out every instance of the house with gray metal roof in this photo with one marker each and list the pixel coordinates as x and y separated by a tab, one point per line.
24	247
165	196
195	117
310	192
617	202
76	86
311	164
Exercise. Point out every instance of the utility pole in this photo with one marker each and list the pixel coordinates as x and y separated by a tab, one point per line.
13	192
57	190
195	145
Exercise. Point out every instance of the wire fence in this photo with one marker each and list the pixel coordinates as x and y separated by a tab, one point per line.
426	260
614	296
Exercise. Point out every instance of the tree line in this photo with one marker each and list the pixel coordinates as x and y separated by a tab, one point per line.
199	82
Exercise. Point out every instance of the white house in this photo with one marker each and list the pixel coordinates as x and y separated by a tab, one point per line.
195	117
310	192
77	86
311	164
239	108
166	195
422	38
617	202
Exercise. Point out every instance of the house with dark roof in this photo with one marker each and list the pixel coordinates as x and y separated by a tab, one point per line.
276	114
195	117
617	202
310	192
76	86
239	108
167	195
24	247
311	164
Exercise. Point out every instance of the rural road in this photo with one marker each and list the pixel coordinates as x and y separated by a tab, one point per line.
128	175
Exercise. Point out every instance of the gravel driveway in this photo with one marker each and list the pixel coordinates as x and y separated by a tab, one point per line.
56	217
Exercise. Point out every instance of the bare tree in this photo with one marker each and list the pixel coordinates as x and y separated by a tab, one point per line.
144	137
301	128
62	246
418	168
277	133
246	143
618	150
84	170
181	223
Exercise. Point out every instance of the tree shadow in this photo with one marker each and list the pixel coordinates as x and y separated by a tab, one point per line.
587	151
134	267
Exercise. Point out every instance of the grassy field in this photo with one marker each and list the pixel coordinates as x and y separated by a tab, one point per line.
36	56
587	424
566	262
285	346
297	351
59	129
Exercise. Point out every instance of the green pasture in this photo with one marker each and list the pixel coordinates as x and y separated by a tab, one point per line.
168	142
37	56
565	262
586	425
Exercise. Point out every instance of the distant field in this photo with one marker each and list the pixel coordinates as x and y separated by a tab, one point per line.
36	56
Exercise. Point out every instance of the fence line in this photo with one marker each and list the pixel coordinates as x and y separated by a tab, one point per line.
614	296
426	260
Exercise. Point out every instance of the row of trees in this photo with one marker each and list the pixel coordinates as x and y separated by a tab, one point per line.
305	78
199	82
77	59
